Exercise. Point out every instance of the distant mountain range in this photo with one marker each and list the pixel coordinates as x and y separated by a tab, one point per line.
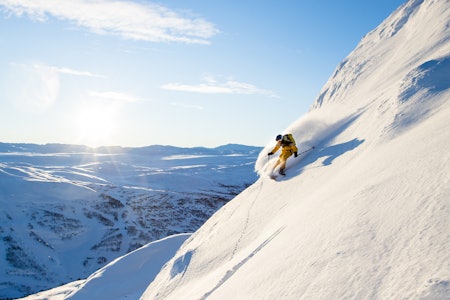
67	210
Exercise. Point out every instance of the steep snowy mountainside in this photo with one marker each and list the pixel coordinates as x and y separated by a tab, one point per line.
417	69
363	216
67	210
412	57
396	76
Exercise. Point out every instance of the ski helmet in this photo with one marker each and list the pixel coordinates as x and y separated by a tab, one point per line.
279	137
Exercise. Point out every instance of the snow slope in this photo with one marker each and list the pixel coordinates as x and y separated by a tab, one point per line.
124	278
363	216
366	216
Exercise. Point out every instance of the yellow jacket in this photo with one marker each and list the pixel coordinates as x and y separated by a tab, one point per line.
286	151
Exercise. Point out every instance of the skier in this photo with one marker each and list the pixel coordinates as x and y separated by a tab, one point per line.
288	147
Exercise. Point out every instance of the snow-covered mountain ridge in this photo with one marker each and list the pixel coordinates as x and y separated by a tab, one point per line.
68	210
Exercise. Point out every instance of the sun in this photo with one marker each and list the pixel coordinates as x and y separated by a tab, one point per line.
96	125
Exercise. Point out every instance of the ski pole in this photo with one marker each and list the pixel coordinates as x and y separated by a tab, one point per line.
307	150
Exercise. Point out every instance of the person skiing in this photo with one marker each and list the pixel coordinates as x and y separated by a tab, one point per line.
288	147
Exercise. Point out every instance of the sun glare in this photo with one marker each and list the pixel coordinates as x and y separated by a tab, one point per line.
96	125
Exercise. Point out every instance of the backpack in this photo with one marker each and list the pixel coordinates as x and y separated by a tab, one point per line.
288	140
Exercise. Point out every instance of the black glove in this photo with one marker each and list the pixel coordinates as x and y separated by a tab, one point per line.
270	153
295	154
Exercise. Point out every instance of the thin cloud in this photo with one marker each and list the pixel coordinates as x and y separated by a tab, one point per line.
200	88
129	20
116	96
57	70
69	71
213	87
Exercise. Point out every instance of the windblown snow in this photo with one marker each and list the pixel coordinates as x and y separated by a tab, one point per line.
363	216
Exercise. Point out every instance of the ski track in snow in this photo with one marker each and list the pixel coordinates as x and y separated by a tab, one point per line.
247	219
236	267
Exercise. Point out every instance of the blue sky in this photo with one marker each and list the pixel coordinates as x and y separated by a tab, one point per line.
182	73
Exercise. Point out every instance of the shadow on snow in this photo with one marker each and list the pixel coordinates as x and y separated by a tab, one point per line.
330	153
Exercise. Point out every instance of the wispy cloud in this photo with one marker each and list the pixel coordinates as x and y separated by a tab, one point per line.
56	70
130	20
211	86
69	71
115	96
